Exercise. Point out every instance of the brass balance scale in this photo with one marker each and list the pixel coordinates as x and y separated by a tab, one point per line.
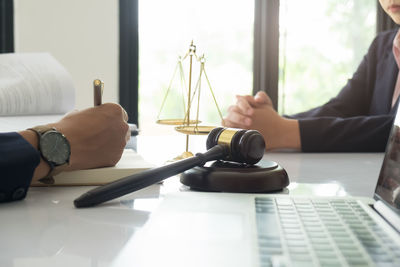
188	125
220	175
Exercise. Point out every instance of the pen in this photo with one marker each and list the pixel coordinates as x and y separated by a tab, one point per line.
98	86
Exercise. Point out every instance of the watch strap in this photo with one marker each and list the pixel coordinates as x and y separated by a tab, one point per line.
41	129
49	178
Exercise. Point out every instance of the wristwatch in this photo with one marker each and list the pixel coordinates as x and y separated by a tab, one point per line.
54	149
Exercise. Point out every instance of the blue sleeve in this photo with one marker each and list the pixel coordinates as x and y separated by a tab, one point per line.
18	161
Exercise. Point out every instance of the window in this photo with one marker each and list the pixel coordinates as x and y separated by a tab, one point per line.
321	44
222	30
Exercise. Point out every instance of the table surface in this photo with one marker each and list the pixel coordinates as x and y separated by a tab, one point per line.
46	230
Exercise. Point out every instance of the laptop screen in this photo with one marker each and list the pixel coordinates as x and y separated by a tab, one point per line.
388	187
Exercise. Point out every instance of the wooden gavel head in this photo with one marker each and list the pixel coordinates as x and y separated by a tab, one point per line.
244	146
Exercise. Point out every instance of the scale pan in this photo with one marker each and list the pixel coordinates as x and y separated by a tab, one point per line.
194	130
177	121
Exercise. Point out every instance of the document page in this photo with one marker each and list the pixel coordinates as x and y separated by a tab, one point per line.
18	123
34	84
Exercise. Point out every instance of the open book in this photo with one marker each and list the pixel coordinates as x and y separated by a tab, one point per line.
35	89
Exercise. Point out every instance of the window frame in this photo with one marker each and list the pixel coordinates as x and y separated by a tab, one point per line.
129	58
266	48
6	26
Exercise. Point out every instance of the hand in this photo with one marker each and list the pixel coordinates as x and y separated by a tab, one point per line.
97	135
258	113
240	115
259	99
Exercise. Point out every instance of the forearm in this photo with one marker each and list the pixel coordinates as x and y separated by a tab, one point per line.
278	132
290	137
43	168
283	134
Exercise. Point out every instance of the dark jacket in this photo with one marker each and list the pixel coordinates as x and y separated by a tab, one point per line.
18	161
360	117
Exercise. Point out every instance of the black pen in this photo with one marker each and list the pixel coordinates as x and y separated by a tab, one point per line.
146	178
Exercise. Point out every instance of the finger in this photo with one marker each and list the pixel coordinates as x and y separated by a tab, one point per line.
128	135
230	124
262	98
125	115
236	117
244	105
252	101
227	123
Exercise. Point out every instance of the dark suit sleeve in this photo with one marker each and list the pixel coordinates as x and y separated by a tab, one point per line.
354	134
18	160
354	120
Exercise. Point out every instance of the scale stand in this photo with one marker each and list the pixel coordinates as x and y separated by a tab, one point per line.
189	125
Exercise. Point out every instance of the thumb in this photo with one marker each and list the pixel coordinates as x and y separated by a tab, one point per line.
262	98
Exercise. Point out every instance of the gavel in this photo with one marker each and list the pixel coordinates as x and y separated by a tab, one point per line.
237	145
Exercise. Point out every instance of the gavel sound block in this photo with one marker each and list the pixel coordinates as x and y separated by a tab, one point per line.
238	175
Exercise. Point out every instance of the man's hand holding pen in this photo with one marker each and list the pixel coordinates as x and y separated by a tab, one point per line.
97	135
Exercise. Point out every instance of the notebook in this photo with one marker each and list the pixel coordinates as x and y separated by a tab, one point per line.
130	163
218	229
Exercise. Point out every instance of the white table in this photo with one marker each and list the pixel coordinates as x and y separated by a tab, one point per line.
355	173
46	230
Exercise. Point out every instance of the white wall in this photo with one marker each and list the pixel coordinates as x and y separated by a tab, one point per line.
83	35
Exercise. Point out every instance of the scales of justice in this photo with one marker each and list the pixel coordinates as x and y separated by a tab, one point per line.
221	175
191	97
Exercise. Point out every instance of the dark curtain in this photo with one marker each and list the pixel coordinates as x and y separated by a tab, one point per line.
6	26
129	58
383	21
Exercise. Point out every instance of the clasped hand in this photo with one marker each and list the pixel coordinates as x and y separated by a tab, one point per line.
258	113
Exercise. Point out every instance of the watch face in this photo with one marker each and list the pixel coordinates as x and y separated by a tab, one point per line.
55	147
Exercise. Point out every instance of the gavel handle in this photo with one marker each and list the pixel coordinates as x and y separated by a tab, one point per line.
146	178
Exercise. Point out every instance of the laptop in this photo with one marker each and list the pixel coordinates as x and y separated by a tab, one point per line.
215	229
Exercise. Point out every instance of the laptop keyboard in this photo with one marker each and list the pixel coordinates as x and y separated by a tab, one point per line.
320	232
